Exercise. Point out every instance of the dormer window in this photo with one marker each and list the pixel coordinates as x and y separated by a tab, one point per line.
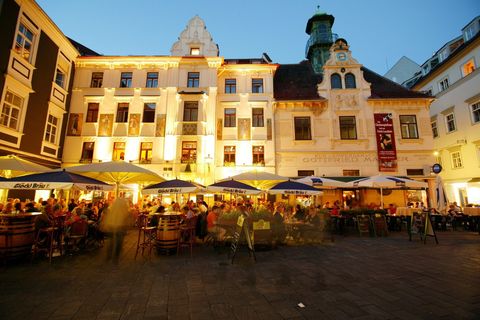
336	81
195	51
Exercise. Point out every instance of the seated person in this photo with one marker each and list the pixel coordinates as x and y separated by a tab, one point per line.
392	209
310	231
212	227
299	213
156	217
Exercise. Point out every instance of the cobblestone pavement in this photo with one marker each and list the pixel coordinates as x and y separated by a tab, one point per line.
351	278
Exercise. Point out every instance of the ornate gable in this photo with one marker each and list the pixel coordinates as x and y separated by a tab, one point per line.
195	40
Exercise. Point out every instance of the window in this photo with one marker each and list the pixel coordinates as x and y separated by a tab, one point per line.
118	151
429	92
257	117
434	129
92	112
230	117
149	112
476	112
468	67
152	80
189	152
258	155
229	155
194	51
302	128
193	79
414	172
60	77
305	173
450	121
12	106
230	85
351	173
97	80
122	112
257	85
336	81
146	152
456	160
87	152
350	82
443	84
24	42
51	130
126	80
190	111
408	126
469	33
348	128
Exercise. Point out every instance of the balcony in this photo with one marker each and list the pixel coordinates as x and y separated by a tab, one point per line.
189	128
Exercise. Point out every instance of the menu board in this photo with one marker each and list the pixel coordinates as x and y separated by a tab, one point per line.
241	228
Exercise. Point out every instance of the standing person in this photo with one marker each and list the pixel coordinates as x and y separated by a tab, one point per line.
115	222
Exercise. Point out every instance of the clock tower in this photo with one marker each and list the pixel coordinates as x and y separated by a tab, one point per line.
319	27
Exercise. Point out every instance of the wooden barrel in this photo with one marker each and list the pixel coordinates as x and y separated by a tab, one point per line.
167	234
17	234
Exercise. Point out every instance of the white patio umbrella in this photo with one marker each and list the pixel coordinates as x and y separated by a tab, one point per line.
440	195
387	182
233	187
175	186
322	183
13	166
118	172
258	179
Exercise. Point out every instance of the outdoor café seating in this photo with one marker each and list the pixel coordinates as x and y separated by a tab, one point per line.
186	238
146	235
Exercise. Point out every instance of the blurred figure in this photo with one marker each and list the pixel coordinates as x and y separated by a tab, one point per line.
115	222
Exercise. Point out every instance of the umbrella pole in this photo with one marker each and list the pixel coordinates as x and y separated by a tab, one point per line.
117	189
381	198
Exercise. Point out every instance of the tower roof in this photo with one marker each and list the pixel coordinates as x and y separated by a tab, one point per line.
319	16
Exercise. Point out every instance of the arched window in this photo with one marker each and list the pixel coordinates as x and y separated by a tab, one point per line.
350	81
336	81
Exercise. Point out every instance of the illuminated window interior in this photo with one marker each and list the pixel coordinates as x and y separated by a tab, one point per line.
194	51
468	67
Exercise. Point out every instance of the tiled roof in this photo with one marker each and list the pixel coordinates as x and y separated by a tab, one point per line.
299	82
296	82
84	51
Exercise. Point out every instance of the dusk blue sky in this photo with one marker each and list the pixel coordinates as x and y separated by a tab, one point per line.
379	31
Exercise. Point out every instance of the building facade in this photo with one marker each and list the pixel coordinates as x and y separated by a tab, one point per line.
454	80
37	63
191	115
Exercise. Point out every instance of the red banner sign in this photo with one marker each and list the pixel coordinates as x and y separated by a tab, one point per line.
386	150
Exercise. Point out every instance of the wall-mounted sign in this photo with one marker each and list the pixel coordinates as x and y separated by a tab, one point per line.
386	150
437	168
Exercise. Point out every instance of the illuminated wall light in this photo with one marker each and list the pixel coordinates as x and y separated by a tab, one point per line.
103	149
132	149
170	148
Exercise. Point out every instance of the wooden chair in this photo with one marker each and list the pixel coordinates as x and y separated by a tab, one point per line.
146	235
78	232
186	237
44	242
363	224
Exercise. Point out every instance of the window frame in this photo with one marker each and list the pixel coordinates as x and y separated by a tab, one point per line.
151	81
11	106
231	88
126	79
443	84
193	79
345	128
86	152
118	153
257	85
49	126
457	161
148	115
95	80
334	77
230	120
258	155
475	112
92	114
434	126
409	125
258	119
19	48
464	65
188	116
146	152
299	134
452	121
229	155
122	115
190	151
350	85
